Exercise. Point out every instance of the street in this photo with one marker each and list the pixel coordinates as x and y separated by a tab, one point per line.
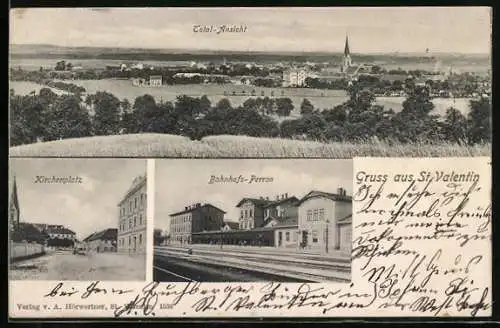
67	266
172	269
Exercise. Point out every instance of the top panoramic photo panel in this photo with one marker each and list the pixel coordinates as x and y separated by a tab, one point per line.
250	82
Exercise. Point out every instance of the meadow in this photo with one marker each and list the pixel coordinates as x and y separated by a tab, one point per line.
164	145
124	89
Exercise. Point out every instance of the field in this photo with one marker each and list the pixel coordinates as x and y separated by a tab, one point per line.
25	87
319	98
163	145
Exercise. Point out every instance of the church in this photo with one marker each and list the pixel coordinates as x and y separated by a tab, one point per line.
348	68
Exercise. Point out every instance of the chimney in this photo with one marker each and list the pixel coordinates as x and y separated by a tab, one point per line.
267	198
345	192
198	205
278	197
339	191
286	195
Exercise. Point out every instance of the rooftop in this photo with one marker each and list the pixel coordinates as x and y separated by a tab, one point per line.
340	196
137	183
196	207
106	234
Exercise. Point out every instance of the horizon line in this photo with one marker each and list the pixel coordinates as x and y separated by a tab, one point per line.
401	52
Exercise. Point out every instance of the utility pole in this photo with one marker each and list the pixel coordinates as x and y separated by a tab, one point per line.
326	236
221	238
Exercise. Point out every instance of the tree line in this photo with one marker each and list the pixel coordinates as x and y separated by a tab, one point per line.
47	116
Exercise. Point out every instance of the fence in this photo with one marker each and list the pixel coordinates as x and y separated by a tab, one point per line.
20	251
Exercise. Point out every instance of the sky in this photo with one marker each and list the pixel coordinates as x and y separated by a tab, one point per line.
180	183
84	208
382	29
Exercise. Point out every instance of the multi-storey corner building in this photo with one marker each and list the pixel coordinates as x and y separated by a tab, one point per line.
132	220
194	219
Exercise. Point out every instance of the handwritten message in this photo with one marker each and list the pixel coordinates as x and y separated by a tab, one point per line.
421	234
421	247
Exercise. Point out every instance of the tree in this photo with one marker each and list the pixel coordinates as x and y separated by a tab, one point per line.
418	103
376	69
284	106
60	66
479	121
454	126
306	107
68	119
107	113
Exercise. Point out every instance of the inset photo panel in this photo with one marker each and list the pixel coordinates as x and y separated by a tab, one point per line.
78	219
285	220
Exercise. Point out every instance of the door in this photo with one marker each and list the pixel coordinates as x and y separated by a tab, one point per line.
345	237
280	238
304	238
135	244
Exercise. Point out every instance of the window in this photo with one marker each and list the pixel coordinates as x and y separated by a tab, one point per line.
135	202
250	214
130	223
321	214
140	238
315	236
287	236
135	221
129	240
315	215
140	219
309	215
246	213
241	214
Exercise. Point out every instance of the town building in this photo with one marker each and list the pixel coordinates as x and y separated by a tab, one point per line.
282	215
139	82
102	241
230	226
194	219
58	232
295	77
252	212
322	218
132	220
155	81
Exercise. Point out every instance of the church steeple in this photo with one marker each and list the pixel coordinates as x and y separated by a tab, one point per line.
347	52
14	206
347	62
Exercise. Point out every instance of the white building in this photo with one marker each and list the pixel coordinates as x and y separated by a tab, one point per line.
324	221
155	80
295	77
132	218
102	241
